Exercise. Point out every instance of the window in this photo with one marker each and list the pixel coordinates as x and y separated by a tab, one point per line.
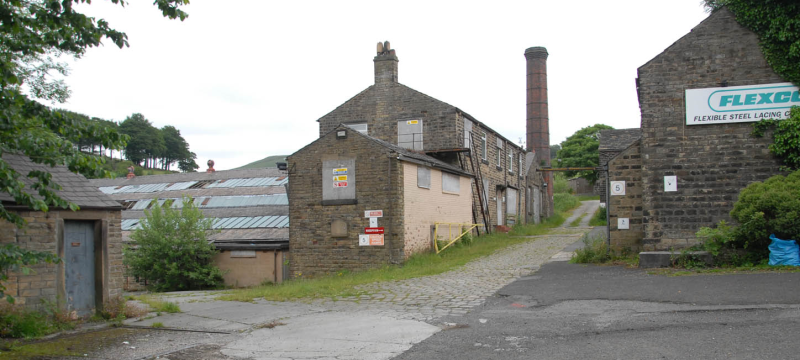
499	154
510	161
467	134
483	146
423	177
521	170
361	127
409	134
451	183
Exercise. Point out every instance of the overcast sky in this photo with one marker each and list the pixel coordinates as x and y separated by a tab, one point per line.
243	80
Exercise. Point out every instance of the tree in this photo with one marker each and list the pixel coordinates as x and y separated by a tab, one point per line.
776	22
32	33
554	151
188	164
172	251
16	259
146	141
176	147
581	150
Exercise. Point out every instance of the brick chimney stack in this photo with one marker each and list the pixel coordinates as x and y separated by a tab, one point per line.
538	122
385	64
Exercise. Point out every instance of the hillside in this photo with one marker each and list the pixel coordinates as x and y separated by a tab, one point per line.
266	162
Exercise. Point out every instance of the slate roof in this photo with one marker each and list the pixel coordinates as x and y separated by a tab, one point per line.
408	154
76	188
618	139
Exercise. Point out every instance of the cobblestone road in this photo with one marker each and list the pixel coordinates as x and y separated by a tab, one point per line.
456	292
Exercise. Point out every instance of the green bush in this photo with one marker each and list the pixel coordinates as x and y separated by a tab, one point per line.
771	207
594	251
172	251
564	202
599	218
561	184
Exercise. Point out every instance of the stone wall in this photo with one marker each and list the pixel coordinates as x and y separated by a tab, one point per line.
712	162
600	185
426	206
627	167
44	232
379	178
382	105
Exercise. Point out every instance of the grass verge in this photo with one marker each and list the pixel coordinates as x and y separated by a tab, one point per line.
588	197
158	305
599	217
595	251
344	283
577	221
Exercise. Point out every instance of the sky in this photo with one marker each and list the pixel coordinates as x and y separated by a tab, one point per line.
247	79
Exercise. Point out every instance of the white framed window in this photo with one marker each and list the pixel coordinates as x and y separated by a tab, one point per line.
483	146
510	161
451	183
360	127
423	177
520	165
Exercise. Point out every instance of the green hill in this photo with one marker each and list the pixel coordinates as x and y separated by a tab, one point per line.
267	162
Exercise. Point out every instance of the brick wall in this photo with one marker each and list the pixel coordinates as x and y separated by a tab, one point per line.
627	167
378	184
600	185
712	162
424	207
43	233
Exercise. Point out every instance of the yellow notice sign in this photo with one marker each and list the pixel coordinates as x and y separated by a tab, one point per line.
340	178
339	171
412	122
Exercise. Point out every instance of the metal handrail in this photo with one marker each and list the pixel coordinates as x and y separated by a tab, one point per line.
463	226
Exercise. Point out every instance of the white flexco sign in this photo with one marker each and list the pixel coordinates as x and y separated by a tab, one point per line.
740	103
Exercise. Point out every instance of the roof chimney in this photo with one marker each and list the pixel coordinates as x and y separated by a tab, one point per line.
538	122
385	64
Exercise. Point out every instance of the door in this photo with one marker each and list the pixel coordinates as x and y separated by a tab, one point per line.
499	201
537	204
79	265
511	205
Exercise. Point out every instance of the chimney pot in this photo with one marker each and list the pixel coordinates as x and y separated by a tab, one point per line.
385	65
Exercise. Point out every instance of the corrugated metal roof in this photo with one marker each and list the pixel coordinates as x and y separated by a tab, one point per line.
244	222
220	201
147	188
229	183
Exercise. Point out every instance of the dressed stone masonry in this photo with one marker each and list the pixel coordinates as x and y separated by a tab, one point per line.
712	163
64	283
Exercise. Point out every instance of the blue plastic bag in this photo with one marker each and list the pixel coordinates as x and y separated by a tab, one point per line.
783	252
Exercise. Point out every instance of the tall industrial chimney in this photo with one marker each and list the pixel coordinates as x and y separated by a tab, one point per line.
538	122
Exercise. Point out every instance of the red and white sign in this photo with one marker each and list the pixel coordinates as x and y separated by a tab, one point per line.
339	184
373	213
373	230
370	239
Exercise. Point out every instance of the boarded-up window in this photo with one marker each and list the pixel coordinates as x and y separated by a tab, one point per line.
483	146
423	177
243	254
511	201
409	134
451	183
467	134
338	182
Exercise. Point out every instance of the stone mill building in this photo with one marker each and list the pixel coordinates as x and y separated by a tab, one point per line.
694	151
416	161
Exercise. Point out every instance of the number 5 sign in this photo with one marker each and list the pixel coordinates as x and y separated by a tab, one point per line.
617	188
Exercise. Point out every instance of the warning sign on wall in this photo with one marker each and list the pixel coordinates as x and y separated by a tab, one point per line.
340	178
339	184
339	171
370	239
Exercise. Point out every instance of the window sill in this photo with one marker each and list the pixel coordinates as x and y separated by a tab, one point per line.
499	168
340	202
485	161
450	193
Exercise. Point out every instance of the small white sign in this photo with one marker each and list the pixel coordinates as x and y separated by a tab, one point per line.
670	183
623	224
363	240
373	213
617	188
373	222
